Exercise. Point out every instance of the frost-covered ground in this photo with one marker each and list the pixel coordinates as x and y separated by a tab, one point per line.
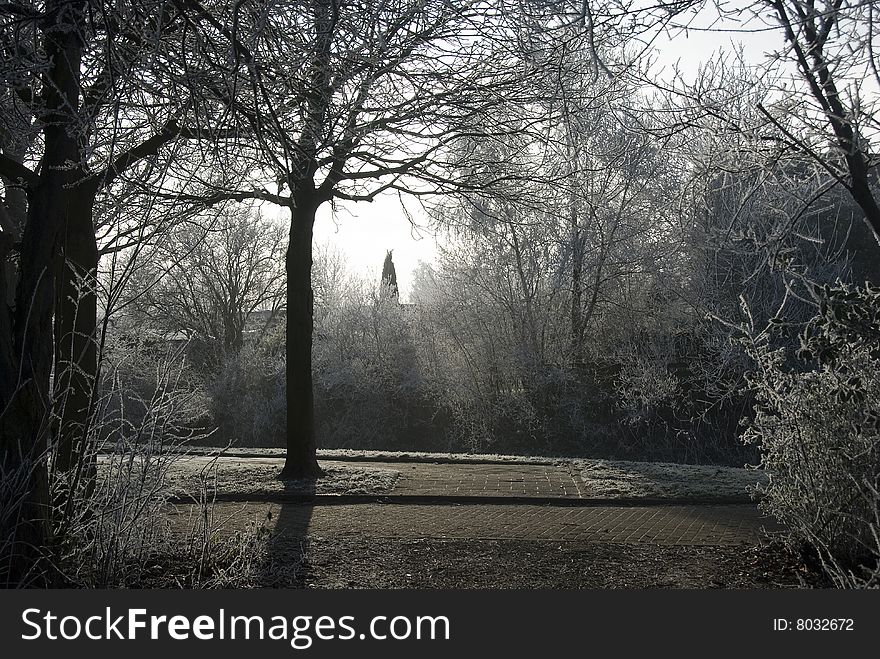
195	477
260	479
381	456
663	480
254	471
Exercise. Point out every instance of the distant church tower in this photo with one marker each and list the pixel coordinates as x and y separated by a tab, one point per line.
389	278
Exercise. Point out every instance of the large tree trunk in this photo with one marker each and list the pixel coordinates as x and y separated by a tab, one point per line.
862	193
25	422
76	353
24	491
13	214
25	400
301	459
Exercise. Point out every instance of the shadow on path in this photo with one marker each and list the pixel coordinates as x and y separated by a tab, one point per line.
286	563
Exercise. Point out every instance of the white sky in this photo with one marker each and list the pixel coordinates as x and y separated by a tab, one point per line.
363	232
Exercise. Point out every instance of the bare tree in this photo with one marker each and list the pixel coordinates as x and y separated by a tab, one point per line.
832	44
814	99
215	283
346	101
91	90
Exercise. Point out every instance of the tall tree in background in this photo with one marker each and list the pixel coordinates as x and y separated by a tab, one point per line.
389	278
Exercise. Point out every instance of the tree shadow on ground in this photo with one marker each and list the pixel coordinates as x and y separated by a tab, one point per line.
286	560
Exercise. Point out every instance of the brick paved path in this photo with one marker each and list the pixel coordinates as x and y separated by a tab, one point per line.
561	510
664	525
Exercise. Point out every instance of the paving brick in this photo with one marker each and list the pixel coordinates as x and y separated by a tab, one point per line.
694	525
658	524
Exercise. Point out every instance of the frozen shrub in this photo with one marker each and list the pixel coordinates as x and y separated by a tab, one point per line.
144	379
368	390
247	398
817	422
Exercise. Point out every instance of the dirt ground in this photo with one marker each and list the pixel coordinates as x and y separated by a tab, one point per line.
523	564
382	563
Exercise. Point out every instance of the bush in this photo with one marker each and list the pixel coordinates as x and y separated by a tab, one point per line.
110	521
817	423
108	518
143	380
368	387
247	400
